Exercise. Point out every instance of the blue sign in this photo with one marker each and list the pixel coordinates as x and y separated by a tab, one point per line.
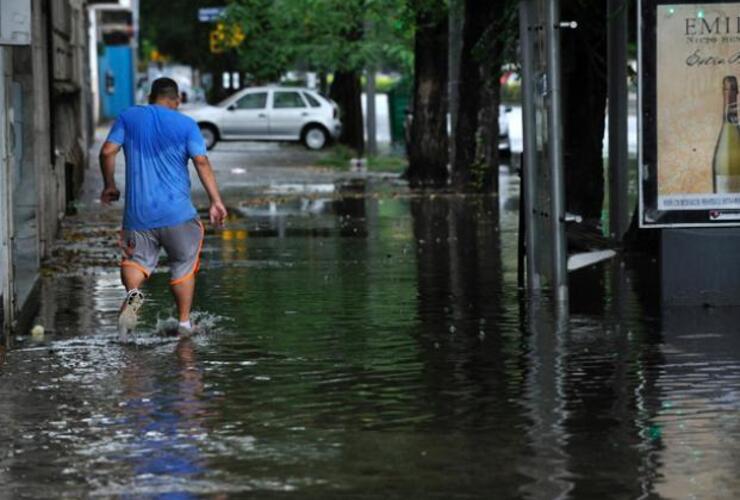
115	79
210	14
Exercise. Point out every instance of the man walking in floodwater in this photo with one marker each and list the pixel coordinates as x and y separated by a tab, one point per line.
157	142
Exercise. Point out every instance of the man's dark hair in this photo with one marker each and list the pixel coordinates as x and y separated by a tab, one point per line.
163	87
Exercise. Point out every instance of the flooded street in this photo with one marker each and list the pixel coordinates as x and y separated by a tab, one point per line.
362	342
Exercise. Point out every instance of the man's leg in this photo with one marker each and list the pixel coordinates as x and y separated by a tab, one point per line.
183	244
132	277
183	292
140	250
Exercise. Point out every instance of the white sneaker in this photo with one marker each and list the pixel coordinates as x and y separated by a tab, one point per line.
129	315
185	331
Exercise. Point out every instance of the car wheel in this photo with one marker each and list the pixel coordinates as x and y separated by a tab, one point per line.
315	137
504	147
209	135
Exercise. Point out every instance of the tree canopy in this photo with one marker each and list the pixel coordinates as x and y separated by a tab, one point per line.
175	33
321	35
282	35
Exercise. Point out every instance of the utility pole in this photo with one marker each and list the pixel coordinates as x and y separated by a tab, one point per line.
371	116
555	152
529	153
370	119
617	104
542	19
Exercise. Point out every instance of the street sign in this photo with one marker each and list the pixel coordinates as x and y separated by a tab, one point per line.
689	128
210	14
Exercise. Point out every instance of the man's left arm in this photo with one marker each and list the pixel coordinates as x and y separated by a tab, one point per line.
197	152
217	211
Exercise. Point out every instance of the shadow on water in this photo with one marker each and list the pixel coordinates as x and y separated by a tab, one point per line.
369	345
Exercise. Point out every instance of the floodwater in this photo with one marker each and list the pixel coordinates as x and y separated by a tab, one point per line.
368	343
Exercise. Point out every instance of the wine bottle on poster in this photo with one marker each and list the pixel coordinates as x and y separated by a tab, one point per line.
726	160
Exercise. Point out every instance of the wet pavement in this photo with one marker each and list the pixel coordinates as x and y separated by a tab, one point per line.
360	341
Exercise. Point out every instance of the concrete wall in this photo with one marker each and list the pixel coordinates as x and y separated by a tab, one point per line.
45	132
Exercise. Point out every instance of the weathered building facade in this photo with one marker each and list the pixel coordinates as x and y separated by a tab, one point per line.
45	131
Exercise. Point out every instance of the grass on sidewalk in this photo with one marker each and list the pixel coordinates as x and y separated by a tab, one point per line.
339	156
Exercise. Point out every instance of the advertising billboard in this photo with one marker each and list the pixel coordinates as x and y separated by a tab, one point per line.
689	127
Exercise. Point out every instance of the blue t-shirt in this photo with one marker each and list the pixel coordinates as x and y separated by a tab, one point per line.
157	142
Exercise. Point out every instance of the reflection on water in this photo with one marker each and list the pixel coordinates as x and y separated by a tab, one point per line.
376	347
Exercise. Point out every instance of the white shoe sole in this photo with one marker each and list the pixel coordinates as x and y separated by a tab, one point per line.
129	317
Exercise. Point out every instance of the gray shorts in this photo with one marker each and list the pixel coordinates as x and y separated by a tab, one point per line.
182	243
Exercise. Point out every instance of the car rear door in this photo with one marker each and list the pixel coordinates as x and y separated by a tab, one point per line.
288	114
247	117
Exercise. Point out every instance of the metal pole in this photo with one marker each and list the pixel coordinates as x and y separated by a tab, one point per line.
529	152
372	140
370	118
617	94
555	151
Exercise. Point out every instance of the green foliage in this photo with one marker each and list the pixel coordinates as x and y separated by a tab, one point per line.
268	48
175	31
431	11
338	157
387	163
501	38
281	35
383	83
321	35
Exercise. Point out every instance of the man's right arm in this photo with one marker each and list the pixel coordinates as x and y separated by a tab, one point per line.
107	159
217	211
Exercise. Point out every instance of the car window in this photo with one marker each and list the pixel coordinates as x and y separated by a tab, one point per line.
312	101
287	100
256	100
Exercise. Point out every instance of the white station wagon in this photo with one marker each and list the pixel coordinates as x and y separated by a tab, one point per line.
270	114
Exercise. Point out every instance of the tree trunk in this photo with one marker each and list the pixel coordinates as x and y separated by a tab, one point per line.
217	66
346	90
428	146
491	98
454	44
584	87
470	172
323	84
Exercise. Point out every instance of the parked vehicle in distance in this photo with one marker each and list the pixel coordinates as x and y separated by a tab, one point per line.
504	141
270	114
